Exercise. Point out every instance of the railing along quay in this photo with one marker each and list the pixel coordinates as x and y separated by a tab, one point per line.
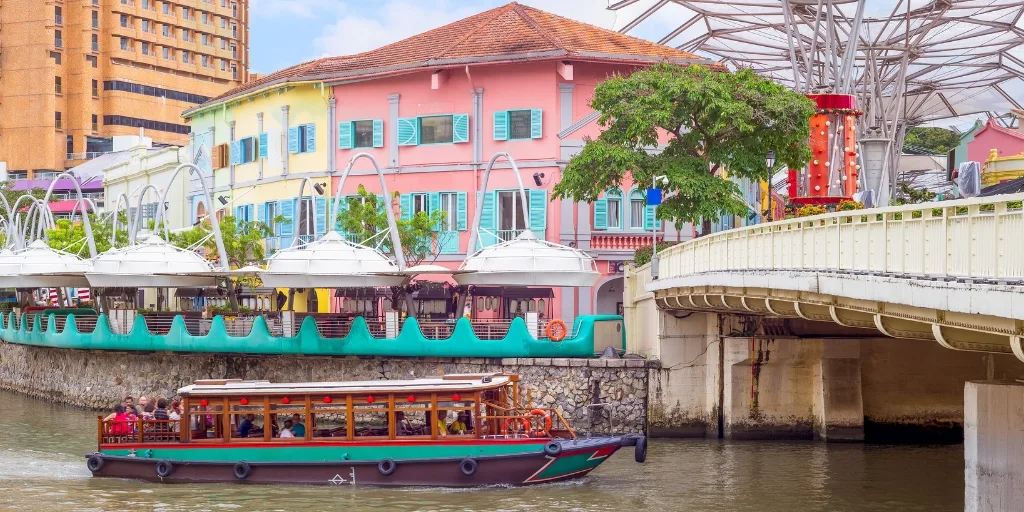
979	238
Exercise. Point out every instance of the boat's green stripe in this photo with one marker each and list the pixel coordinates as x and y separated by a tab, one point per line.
569	464
328	453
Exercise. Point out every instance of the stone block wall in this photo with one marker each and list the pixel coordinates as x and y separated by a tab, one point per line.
99	379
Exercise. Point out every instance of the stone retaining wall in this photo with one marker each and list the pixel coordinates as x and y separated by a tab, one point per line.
98	379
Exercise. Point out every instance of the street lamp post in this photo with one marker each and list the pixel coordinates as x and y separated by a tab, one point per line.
769	160
654	228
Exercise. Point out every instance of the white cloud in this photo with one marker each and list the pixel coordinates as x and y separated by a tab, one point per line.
397	19
292	8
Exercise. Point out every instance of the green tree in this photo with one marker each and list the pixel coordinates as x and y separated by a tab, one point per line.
363	219
930	140
69	236
712	120
907	195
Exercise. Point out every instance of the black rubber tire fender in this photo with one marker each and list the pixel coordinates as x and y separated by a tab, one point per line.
552	449
386	466
164	468
640	451
94	463
468	466
241	470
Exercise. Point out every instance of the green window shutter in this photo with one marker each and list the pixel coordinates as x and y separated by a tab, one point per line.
293	139
487	236
433	202
407	131
378	133
601	214
461	217
286	208
320	204
538	211
460	128
649	218
405	204
501	125
264	142
448	242
345	135
311	138
342	208
536	123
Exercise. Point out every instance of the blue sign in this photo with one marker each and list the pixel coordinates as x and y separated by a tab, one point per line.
653	196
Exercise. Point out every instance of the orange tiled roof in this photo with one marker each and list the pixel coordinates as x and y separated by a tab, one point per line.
512	32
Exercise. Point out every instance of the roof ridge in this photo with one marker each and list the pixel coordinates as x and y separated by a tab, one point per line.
536	26
606	30
498	11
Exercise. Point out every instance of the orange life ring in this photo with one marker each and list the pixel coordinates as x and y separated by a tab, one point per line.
562	330
524	422
541	413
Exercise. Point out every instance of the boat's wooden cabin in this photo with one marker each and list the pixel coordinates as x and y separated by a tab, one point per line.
483	405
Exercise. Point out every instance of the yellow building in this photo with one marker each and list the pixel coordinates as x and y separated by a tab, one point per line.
75	73
998	169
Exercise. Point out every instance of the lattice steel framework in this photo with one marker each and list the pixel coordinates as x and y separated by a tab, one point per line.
908	62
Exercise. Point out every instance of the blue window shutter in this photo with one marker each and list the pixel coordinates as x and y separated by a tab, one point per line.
233	148
238	216
407	131
448	242
378	133
460	128
536	123
293	139
649	219
487	236
461	217
501	125
311	138
601	214
261	213
345	135
284	242
286	207
264	140
405	204
538	211
250	212
434	202
321	215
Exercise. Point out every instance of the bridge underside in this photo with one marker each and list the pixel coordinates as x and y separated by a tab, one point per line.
970	316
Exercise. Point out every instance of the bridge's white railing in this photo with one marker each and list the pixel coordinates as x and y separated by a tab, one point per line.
978	238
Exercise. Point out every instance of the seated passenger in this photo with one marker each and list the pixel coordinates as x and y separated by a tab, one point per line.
442	427
118	421
299	430
246	425
459	426
287	430
403	426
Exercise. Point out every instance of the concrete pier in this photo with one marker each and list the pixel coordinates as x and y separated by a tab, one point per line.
994	446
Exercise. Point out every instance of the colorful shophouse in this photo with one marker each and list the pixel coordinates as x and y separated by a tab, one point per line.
432	109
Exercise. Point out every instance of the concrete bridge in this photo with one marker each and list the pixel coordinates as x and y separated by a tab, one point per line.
839	327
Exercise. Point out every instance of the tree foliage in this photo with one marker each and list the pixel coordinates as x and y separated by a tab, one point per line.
11	195
930	140
69	236
907	195
712	120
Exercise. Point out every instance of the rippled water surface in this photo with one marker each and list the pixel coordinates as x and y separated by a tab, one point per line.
42	468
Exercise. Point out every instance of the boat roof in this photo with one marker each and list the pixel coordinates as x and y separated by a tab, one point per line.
445	384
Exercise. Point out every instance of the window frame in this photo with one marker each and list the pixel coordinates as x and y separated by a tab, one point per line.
614	196
516	208
419	197
450	218
635	196
529	124
355	143
419	130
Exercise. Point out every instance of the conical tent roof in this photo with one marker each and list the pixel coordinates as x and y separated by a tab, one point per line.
40	266
528	261
331	262
154	263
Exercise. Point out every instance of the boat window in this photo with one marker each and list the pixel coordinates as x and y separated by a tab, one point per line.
284	416
330	419
370	418
458	417
411	416
206	421
247	421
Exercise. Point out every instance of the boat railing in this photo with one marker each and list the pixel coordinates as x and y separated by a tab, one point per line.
139	431
528	423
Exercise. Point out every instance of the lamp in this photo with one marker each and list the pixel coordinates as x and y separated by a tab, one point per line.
319	187
769	160
536	178
223	200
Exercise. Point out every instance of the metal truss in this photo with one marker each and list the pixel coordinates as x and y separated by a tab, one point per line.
908	62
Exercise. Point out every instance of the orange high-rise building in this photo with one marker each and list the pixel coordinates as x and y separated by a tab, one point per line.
75	73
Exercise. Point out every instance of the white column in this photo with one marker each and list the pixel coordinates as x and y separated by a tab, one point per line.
993	446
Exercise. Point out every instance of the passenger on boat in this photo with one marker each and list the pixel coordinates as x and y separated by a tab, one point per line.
174	414
402	425
118	421
298	429
459	426
246	425
129	403
160	414
442	427
287	430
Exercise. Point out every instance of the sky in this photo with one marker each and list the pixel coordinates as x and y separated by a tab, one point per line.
286	32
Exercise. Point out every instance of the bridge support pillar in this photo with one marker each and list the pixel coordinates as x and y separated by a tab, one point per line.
994	446
838	399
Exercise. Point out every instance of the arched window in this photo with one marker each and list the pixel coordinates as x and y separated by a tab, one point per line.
636	209
614	198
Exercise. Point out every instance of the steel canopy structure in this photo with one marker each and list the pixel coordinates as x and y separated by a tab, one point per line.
908	62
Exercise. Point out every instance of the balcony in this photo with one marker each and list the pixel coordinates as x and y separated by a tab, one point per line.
76	157
621	241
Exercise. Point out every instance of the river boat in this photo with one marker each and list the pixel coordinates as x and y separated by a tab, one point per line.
453	431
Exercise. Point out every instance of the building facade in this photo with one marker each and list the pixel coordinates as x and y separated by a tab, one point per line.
76	73
432	110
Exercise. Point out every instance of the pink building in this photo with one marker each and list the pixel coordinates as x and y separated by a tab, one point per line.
432	109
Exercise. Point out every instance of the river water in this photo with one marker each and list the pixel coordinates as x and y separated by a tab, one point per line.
42	468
